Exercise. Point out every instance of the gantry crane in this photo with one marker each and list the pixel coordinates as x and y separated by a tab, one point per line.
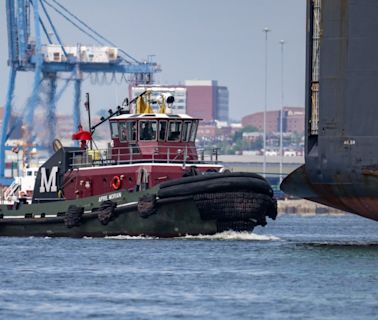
47	61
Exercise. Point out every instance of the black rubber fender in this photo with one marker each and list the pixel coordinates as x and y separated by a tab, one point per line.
221	184
229	206
73	216
147	205
106	212
211	176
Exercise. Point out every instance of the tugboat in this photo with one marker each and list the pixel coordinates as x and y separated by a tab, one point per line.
150	180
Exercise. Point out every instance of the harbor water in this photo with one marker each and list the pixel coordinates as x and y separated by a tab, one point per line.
319	267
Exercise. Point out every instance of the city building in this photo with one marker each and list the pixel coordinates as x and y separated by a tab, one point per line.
207	100
204	99
292	120
252	136
217	130
207	131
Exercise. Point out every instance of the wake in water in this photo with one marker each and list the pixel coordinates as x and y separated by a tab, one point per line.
226	235
233	235
120	237
340	244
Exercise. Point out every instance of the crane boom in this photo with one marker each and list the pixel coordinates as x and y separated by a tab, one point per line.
28	53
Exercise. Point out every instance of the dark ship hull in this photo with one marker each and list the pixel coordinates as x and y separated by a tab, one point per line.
359	198
341	158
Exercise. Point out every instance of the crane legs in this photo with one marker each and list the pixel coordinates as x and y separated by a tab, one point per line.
6	118
76	106
51	104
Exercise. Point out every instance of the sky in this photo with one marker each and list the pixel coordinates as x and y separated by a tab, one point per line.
219	40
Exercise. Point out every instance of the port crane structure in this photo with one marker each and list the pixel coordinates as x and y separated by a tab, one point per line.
29	23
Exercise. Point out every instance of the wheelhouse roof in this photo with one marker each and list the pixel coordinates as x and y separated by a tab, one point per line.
150	116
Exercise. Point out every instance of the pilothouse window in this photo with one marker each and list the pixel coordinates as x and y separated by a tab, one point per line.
174	130
114	129
162	130
186	131
194	131
128	131
148	130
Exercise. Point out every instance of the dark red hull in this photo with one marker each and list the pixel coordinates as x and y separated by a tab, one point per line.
90	181
355	198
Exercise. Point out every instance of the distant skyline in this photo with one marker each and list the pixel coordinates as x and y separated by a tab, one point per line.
197	39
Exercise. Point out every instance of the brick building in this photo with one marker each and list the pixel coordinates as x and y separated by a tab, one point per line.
207	100
293	120
207	131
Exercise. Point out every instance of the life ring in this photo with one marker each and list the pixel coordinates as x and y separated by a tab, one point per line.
116	182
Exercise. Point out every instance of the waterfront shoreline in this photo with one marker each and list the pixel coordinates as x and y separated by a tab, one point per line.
304	207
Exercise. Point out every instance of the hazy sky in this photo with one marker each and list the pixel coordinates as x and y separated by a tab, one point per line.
192	39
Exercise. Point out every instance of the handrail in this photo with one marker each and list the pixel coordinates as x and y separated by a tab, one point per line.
137	154
10	191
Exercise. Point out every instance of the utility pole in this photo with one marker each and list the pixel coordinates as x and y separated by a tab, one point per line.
282	43
266	30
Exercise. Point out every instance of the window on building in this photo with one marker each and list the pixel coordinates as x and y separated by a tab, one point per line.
56	56
147	130
174	131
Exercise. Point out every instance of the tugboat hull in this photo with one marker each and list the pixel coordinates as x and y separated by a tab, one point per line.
167	222
211	204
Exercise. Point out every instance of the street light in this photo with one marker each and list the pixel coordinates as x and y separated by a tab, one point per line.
282	43
266	30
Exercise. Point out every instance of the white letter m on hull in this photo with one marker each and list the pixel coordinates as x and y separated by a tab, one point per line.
50	184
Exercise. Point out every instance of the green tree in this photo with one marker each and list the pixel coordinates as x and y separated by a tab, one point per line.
250	129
